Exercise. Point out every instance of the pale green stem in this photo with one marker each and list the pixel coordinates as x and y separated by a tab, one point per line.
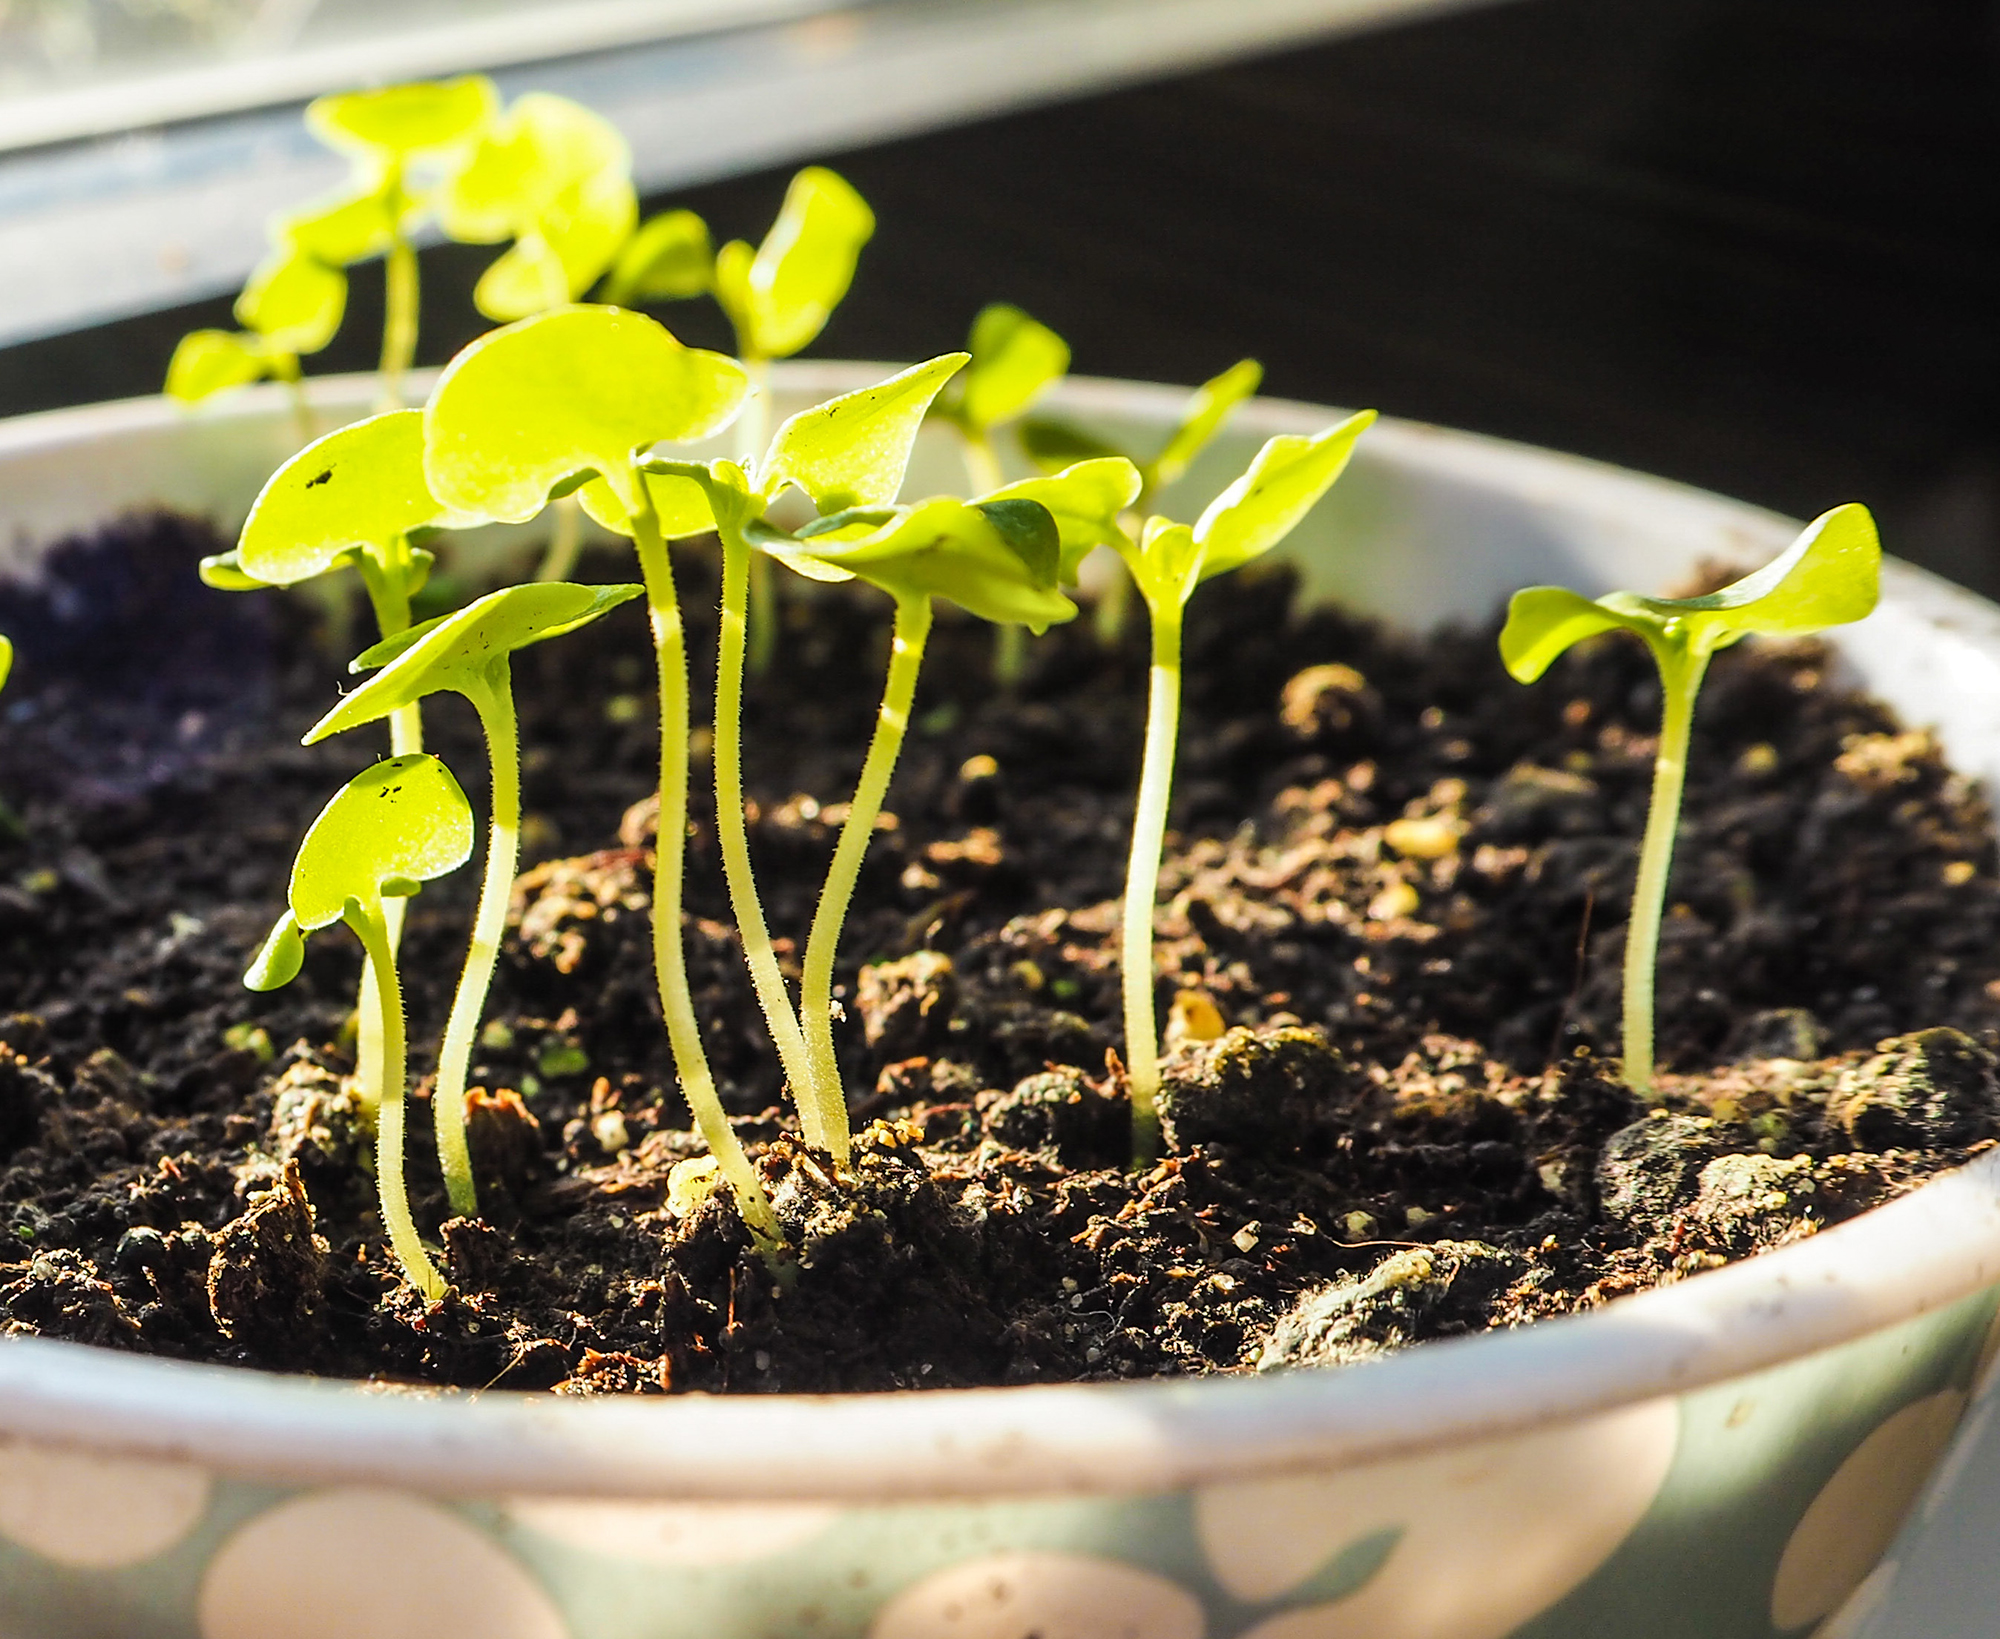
753	433
1142	883
389	1102
982	473
669	955
731	832
400	301
285	366
1680	681
565	540
495	705
906	657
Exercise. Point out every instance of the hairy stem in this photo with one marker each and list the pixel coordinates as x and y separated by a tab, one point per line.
1142	882
565	540
906	657
730	831
1680	681
399	317
753	433
495	705
669	955
389	1102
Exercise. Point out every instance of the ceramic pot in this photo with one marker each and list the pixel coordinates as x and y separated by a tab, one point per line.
1721	1459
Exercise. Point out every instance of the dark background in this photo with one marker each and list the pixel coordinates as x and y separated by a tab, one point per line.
1732	241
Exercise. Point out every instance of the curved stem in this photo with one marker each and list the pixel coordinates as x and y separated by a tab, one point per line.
400	298
495	705
389	1093
906	657
566	540
753	433
670	854
1680	681
1142	883
769	982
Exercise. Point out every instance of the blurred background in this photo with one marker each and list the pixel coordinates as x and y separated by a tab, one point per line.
1731	241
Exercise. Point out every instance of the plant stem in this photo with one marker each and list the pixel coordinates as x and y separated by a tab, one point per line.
565	542
906	657
285	366
670	854
1680	681
495	705
769	982
389	1101
400	299
754	432
1142	882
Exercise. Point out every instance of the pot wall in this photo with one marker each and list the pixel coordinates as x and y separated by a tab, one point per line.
1724	1458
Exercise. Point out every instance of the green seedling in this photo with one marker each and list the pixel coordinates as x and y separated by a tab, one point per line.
392	828
469	653
570	398
776	297
1015	359
1168	561
1829	576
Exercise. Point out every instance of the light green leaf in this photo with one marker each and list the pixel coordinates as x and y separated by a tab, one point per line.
1053	445
6	658
784	297
466	652
853	450
347	227
1086	501
402	120
998	562
523	408
1015	359
1166	562
564	252
279	958
528	278
542	147
1544	621
681	503
362	486
224	572
668	259
1283	483
1214	401
207	362
405	819
293	301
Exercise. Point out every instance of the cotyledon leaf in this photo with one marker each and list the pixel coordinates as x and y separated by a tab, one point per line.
403	821
852	451
1284	481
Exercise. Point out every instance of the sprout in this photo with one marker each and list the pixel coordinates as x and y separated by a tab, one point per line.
392	828
1829	576
1015	359
468	653
566	398
1168	561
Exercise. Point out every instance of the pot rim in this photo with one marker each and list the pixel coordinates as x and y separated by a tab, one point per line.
1915	1255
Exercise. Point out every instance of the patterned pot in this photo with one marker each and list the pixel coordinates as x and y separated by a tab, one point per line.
1722	1459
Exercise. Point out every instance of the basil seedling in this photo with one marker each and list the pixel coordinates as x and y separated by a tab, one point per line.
469	653
1829	576
569	398
1168	561
390	829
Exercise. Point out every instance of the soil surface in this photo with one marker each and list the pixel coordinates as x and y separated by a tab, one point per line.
1390	933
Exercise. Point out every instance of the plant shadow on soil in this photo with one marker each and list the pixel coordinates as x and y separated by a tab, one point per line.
1391	926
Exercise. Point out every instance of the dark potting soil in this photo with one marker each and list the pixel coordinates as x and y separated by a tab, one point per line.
1392	919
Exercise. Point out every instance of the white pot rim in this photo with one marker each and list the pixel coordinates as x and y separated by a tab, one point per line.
1911	1257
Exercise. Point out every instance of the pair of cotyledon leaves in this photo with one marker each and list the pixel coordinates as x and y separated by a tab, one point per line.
777	296
1829	576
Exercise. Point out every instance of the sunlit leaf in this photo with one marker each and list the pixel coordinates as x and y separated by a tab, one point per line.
523	408
853	450
1284	481
528	278
459	652
1015	359
1166	561
6	659
682	505
279	958
224	571
1202	418
1086	501
1543	621
542	146
403	120
207	362
668	259
345	228
784	297
404	820
293	301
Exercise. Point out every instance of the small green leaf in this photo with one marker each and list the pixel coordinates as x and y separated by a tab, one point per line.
207	362
784	295
1015	359
6	658
459	652
543	146
1544	621
1053	445
362	486
682	505
853	450
523	408
668	259
225	572
1214	401
1086	501
401	120
1166	562
405	819
293	301
564	252
347	227
279	958
1283	483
